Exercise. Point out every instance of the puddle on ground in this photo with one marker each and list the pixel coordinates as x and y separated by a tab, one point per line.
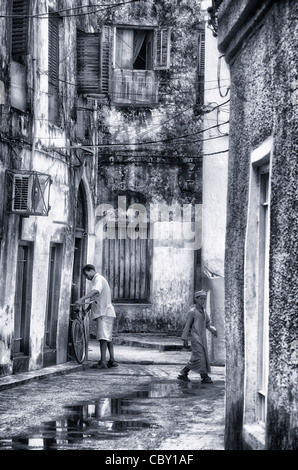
105	418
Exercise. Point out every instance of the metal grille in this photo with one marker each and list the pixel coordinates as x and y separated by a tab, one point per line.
21	193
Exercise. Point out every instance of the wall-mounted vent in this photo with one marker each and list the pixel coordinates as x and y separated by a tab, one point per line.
29	192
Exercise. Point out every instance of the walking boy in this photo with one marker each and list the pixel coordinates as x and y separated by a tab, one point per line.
197	323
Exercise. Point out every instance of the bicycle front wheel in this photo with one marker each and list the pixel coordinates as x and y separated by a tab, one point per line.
78	340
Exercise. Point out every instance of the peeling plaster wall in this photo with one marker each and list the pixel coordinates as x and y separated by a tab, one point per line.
263	63
24	140
173	258
164	173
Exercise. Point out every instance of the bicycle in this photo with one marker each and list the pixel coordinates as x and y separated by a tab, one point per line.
78	332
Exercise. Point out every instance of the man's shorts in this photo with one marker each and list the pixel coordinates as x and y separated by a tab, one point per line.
105	328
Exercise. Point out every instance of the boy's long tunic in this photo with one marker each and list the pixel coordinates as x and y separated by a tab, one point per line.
196	325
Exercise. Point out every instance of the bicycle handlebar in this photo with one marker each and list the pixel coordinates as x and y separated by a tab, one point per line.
81	305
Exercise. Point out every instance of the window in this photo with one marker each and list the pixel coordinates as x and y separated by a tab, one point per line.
134	49
19	36
53	67
256	294
138	52
93	61
135	54
19	51
88	63
141	49
162	49
126	265
126	256
263	291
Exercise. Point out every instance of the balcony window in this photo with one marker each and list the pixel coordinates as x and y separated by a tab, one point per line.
121	62
137	54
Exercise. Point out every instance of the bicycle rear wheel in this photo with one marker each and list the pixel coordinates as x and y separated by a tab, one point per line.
78	340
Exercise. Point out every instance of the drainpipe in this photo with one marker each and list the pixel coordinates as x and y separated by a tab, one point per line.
34	68
34	83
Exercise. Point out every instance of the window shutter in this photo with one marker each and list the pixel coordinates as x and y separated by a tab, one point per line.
126	264
53	50
88	61
201	68
162	37
20	12
106	38
201	58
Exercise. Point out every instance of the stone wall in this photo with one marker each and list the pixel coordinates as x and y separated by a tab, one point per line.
260	45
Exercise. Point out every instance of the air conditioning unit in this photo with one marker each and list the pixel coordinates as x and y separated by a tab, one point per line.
29	192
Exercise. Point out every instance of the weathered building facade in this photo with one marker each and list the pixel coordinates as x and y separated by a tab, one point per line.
44	190
146	168
100	152
259	41
215	175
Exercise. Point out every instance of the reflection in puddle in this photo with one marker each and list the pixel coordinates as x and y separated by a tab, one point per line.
105	418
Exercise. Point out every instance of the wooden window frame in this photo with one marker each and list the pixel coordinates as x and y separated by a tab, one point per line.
88	62
54	66
19	34
161	45
263	287
93	62
162	48
256	296
127	266
131	85
19	52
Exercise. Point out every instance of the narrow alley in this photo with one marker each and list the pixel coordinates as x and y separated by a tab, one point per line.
148	166
138	406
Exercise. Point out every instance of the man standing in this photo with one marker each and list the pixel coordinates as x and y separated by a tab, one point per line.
103	312
197	323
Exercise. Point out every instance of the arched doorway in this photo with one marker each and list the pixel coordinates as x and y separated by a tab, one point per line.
80	249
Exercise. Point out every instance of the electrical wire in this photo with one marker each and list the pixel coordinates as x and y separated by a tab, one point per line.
223	95
159	82
151	128
170	139
161	162
102	7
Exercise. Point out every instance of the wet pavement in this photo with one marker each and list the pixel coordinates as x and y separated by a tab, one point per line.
138	406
